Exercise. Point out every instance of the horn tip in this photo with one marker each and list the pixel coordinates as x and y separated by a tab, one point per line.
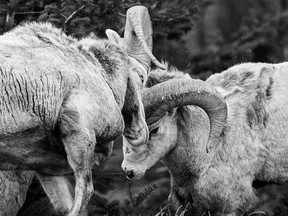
163	67
160	65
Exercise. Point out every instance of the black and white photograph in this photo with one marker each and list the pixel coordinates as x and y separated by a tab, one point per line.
143	107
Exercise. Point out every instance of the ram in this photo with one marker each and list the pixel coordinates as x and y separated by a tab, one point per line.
216	137
62	102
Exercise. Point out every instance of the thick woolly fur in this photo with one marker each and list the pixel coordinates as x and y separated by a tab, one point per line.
59	97
254	145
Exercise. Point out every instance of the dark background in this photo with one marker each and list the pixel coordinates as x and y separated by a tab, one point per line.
199	38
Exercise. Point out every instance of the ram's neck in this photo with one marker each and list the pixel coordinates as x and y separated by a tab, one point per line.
189	158
110	61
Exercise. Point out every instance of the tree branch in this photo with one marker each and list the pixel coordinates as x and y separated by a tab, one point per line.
30	12
73	14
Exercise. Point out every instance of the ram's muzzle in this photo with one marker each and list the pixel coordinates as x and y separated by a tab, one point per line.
135	160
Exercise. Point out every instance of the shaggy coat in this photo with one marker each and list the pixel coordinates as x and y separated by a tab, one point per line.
61	99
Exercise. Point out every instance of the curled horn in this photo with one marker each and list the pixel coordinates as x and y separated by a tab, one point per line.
181	92
138	36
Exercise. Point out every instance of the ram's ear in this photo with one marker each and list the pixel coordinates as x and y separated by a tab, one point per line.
92	36
113	36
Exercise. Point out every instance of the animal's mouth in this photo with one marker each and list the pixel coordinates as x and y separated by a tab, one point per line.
133	170
129	174
133	175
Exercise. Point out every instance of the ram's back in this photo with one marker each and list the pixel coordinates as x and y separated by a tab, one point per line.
257	99
40	67
33	75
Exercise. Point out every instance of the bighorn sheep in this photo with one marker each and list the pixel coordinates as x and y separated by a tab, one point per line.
62	102
215	137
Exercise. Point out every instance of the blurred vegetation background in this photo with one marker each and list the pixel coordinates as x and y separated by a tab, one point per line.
200	37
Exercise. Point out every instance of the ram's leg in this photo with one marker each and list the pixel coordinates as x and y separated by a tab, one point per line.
102	151
59	189
13	189
79	147
176	202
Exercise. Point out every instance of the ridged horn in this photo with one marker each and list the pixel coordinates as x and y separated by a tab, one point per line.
181	92
138	36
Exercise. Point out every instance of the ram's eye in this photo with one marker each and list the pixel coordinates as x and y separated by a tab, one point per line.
154	131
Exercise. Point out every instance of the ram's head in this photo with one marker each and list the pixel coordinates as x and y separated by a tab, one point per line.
161	102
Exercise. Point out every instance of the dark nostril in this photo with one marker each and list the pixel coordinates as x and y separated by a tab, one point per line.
130	174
